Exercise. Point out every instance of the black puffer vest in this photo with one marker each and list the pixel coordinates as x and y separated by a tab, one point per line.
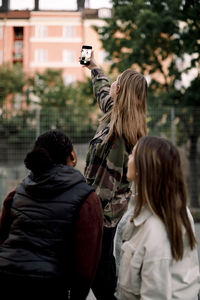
43	214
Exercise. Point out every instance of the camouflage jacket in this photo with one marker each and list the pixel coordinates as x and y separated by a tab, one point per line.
106	162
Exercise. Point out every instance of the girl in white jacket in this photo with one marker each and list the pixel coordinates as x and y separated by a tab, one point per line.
159	259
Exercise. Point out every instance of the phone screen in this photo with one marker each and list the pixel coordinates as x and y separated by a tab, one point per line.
86	55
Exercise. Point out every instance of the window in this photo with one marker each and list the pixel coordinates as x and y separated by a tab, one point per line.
69	56
18	49
69	31
104	13
41	31
69	79
18	33
41	55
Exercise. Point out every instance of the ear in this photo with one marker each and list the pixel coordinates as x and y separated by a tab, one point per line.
118	89
72	159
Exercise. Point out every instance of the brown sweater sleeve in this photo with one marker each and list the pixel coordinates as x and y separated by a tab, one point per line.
89	230
5	218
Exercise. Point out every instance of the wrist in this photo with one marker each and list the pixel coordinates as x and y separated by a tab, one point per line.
94	67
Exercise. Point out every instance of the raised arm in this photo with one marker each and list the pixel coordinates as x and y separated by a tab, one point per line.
101	86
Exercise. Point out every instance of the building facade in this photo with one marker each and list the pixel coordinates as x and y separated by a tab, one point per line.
51	39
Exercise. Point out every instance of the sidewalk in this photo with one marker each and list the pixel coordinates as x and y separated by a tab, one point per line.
91	296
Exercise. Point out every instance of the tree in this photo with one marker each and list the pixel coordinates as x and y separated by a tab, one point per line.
12	81
16	132
161	38
49	104
66	107
16	136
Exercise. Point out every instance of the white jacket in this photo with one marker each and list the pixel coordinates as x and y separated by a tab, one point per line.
148	271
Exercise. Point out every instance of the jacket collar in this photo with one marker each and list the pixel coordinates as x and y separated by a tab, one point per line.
131	226
143	216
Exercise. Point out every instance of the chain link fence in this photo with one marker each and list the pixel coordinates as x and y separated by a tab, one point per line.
19	129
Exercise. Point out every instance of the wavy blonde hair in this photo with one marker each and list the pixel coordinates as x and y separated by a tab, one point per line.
128	115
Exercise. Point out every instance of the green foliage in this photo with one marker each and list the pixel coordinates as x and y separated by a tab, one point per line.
49	88
50	104
147	33
63	107
17	133
12	81
15	126
161	39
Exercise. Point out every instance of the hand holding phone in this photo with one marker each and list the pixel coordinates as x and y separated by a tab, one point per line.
86	53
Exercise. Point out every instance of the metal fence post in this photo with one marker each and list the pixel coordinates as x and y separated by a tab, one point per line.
37	122
173	137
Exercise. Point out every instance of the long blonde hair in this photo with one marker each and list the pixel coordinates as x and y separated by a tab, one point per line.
159	183
128	115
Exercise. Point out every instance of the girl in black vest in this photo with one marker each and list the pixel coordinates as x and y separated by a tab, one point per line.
50	227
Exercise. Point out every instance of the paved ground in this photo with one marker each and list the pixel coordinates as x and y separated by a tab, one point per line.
197	228
91	296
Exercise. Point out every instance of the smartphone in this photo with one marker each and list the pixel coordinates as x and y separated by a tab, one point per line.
86	53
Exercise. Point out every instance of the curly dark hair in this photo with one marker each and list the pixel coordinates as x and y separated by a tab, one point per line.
51	147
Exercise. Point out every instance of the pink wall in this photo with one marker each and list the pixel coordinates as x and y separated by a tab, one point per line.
55	49
27	50
9	43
